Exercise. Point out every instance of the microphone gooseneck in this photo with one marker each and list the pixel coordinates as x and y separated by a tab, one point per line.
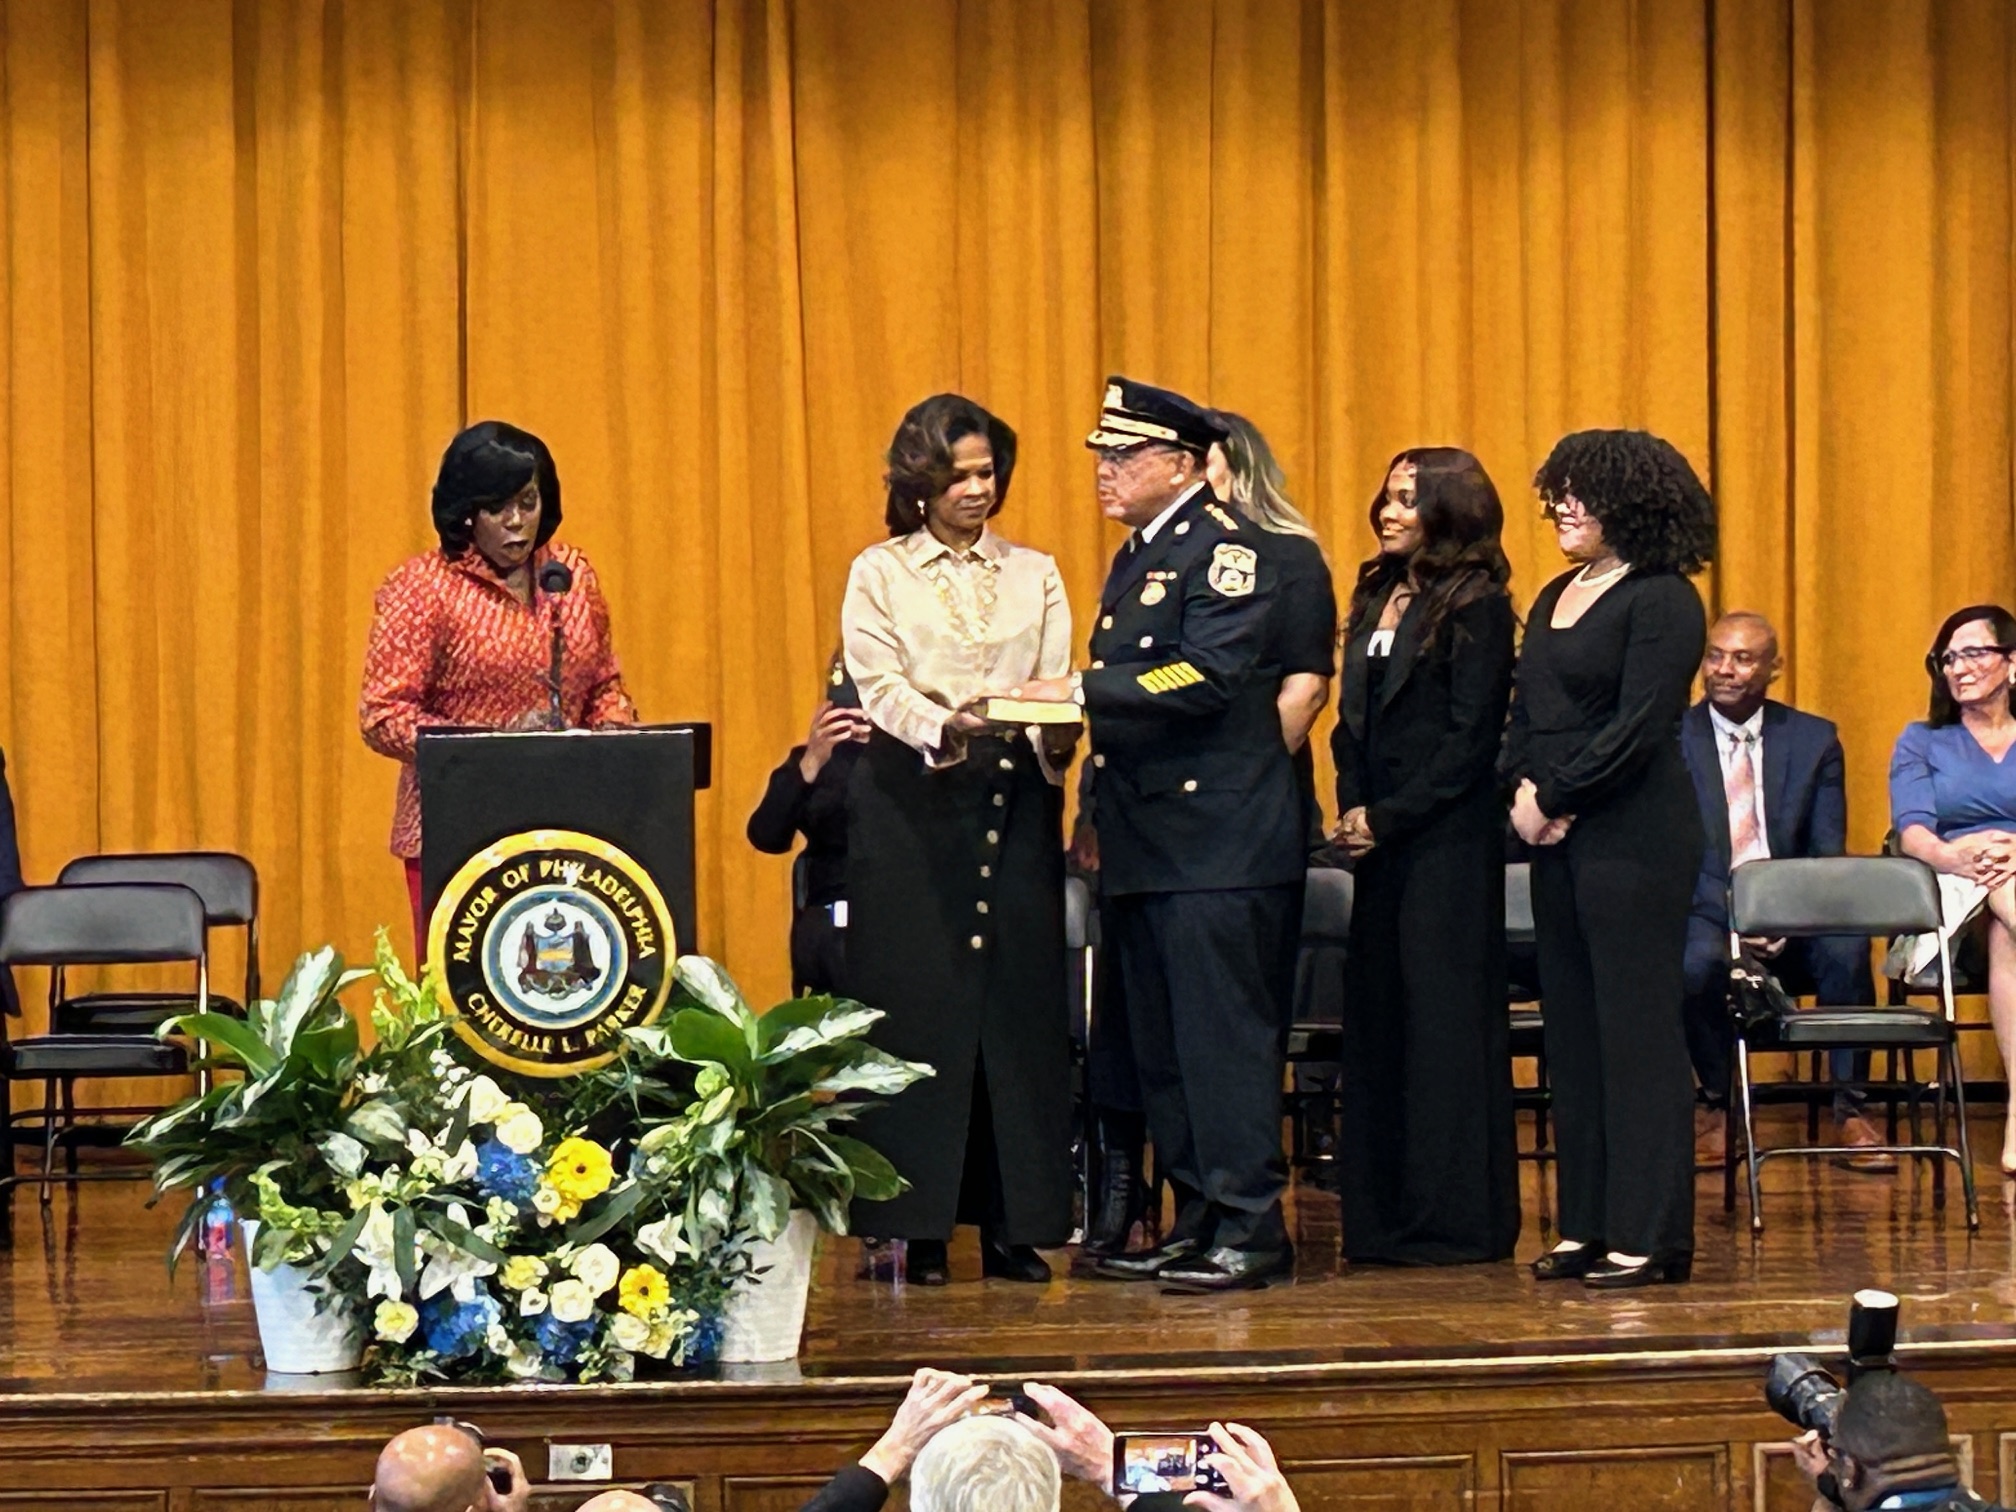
555	579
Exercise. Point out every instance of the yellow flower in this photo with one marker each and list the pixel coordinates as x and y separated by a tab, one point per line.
580	1169
643	1291
522	1271
395	1321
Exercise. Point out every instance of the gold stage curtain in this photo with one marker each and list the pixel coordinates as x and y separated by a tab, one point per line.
264	256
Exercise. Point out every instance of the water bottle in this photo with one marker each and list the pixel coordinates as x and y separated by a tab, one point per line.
213	1243
216	1229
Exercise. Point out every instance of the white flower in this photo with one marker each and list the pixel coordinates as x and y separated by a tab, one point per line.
449	1267
531	1302
486	1100
596	1267
496	1340
629	1332
524	1363
660	1341
372	1084
461	1165
664	1239
520	1131
395	1321
375	1249
572	1302
546	1201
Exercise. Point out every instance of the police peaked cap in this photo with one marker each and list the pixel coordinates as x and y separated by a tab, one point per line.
1135	414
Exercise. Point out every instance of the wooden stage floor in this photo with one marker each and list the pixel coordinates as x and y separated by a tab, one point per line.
1462	1387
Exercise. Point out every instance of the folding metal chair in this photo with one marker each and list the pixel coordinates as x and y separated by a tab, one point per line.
1316	1038
1848	895
229	888
1522	995
60	927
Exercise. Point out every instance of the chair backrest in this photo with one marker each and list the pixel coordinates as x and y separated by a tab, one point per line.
101	924
1834	895
1326	906
1519	926
1081	919
226	882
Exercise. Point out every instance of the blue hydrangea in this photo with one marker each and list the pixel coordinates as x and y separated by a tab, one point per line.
561	1342
505	1173
455	1329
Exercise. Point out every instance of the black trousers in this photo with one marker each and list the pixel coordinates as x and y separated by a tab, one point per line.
1208	979
818	951
1610	906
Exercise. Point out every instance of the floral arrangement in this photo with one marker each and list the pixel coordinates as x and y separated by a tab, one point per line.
480	1226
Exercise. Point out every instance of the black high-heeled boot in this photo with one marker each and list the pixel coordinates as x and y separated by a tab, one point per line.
1012	1262
1119	1194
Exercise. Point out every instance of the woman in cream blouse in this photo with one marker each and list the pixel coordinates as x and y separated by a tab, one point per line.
955	853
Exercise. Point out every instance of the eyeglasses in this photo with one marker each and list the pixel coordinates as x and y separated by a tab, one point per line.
1972	656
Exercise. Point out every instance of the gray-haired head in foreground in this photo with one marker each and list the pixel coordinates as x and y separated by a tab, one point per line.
985	1464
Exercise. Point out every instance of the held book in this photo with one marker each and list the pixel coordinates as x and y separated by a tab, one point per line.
1031	711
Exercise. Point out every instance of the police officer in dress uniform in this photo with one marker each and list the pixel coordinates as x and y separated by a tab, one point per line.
1201	849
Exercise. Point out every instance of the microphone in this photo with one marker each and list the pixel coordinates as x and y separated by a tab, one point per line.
555	579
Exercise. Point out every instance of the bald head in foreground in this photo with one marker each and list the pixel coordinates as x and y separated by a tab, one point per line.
442	1468
618	1501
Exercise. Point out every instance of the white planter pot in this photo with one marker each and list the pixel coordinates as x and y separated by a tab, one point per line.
766	1314
297	1339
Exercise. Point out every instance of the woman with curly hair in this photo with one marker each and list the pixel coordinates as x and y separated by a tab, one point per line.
1604	800
1427	1161
955	853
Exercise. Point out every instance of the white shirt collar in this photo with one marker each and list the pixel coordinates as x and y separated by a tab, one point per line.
1148	530
1727	729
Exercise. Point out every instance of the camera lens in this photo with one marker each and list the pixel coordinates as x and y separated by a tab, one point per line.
1802	1393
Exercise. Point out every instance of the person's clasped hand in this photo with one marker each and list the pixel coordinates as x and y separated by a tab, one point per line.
1354	833
935	1398
1987	857
1246	1461
1534	827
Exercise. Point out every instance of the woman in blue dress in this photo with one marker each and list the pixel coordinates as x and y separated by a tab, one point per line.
1953	799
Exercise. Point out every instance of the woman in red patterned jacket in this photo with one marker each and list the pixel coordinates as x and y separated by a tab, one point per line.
462	635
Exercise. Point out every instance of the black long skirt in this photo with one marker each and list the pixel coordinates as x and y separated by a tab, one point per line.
1428	1162
955	889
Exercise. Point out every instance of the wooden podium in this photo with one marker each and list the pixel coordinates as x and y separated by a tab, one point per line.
631	786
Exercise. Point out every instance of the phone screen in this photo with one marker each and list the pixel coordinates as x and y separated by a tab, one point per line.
1162	1461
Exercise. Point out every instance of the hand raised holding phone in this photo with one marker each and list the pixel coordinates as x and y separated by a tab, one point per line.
1245	1462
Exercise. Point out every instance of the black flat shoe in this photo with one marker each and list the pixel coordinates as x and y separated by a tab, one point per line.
1225	1269
1607	1275
1012	1262
1145	1265
1566	1265
926	1264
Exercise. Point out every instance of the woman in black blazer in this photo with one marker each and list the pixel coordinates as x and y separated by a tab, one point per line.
1605	801
1429	1168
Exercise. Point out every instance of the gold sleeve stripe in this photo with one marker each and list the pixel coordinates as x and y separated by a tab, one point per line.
1169	678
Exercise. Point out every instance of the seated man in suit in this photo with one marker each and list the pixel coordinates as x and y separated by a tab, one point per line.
1770	782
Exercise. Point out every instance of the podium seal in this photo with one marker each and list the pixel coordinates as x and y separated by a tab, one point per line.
552	943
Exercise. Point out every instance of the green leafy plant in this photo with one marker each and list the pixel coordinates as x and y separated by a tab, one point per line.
302	1080
758	1138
